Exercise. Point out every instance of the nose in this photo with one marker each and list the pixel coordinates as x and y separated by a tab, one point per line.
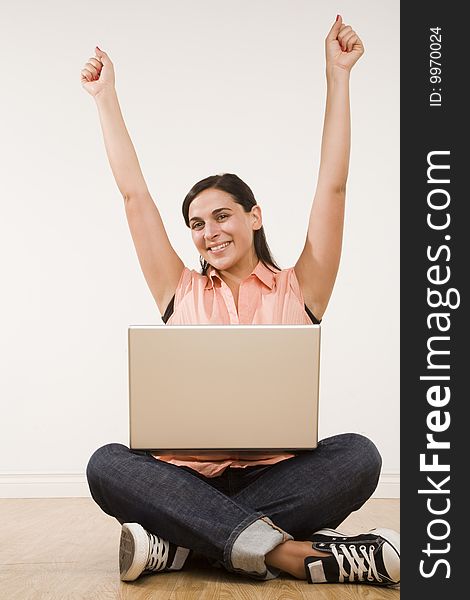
211	231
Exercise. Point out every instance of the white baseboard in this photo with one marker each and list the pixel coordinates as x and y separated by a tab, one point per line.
74	485
389	485
43	485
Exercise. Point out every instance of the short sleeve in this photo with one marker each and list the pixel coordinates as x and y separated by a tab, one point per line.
184	285
295	287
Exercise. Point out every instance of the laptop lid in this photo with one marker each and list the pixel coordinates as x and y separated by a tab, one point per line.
223	387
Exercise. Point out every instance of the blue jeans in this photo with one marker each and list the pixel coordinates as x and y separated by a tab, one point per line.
235	519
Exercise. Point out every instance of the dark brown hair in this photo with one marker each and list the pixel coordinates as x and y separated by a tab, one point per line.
241	194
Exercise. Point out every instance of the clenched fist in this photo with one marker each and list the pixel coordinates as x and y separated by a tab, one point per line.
98	73
343	46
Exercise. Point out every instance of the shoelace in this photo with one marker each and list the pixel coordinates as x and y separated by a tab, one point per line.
158	553
357	564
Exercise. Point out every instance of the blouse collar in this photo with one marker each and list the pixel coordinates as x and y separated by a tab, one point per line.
261	271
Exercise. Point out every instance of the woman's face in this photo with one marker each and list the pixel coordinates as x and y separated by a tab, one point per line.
222	231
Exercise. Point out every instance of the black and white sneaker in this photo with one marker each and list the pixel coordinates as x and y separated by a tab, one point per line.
372	557
141	552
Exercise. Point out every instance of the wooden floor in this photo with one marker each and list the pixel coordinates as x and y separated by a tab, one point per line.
67	548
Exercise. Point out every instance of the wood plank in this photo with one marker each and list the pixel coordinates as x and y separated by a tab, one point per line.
67	548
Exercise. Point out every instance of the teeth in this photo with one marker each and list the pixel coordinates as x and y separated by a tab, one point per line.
220	247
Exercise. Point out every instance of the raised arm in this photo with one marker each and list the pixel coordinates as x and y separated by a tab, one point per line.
318	263
160	264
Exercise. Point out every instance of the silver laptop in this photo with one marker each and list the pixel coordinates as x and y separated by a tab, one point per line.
223	387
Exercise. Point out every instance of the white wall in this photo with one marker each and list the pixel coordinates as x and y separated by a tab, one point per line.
205	87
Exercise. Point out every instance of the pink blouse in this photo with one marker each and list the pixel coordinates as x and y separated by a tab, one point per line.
264	298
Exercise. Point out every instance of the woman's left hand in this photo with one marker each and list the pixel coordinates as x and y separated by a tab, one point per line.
343	46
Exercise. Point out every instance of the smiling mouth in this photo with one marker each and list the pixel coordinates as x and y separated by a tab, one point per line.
220	248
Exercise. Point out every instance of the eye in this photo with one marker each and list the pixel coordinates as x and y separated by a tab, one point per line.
196	225
222	215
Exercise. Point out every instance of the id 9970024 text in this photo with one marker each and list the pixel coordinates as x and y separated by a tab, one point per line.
435	66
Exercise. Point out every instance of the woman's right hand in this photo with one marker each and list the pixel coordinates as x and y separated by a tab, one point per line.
98	74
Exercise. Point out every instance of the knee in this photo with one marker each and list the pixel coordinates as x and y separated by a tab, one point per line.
99	462
366	456
360	460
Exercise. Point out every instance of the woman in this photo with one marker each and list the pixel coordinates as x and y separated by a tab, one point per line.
260	514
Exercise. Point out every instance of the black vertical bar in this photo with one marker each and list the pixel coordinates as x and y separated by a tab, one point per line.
435	260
